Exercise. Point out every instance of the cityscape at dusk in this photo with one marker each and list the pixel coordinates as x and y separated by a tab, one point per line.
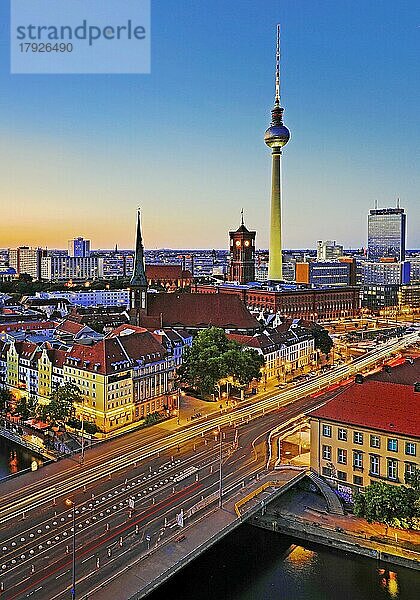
84	145
209	300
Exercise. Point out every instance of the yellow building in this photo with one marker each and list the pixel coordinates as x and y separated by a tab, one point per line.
122	379
369	432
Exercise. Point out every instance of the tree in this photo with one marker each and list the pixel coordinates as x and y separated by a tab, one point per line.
393	505
323	341
5	398
213	357
61	405
24	408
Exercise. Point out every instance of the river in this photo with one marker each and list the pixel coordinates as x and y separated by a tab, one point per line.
253	564
14	458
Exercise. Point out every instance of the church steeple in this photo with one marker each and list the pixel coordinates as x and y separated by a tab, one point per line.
138	282
139	276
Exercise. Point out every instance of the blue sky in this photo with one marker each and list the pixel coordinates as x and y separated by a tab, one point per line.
78	154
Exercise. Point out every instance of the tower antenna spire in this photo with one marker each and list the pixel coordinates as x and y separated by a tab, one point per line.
277	102
242	216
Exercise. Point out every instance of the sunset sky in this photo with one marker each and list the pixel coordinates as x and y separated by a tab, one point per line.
78	154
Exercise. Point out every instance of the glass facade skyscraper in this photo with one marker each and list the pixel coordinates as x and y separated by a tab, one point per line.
386	234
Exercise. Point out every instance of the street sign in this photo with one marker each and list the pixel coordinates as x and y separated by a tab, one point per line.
34	465
131	503
148	538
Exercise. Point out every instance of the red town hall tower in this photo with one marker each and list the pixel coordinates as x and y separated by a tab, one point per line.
242	254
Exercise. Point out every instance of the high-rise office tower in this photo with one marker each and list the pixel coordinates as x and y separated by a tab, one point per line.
79	247
386	234
26	260
276	136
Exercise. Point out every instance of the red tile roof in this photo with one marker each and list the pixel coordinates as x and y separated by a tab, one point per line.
116	353
27	326
244	340
201	310
406	373
166	273
126	329
71	327
376	405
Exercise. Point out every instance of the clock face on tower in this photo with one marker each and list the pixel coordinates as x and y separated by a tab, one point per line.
238	243
246	243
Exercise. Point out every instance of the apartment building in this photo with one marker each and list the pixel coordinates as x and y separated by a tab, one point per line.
369	432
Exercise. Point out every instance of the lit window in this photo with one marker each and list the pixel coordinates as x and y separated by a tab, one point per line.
392	444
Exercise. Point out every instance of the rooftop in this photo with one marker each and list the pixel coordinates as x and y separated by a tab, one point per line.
201	310
389	407
405	374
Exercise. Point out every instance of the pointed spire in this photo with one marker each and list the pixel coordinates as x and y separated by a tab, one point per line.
277	101
242	217
138	278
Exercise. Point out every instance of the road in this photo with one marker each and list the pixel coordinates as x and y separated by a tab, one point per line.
161	474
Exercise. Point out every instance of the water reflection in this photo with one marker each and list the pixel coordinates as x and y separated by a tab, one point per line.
253	564
389	581
13	458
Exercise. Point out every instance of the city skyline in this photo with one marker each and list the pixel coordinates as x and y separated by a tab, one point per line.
61	163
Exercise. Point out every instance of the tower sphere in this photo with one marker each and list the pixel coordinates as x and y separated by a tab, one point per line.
277	136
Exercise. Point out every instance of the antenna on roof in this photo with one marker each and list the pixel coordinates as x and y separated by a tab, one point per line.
398	203
277	102
376	204
242	216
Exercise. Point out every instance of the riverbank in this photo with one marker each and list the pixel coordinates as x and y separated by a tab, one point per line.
303	515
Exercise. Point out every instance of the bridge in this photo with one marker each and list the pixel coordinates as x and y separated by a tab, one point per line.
135	495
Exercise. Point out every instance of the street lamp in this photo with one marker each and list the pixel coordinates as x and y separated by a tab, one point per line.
71	504
179	393
220	468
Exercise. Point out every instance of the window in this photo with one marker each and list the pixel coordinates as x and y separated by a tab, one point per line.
392	444
342	456
375	441
326	452
326	430
342	434
341	475
410	470
392	469
357	459
326	471
410	448
374	465
357	480
357	437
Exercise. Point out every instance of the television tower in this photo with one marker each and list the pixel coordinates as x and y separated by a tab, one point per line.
276	136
